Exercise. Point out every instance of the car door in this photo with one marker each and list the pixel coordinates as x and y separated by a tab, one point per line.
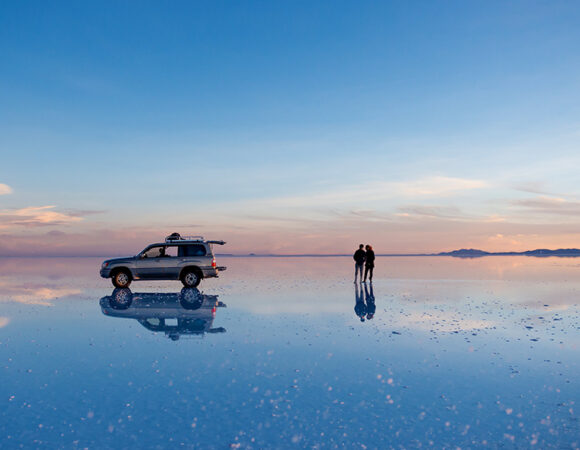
170	263
150	264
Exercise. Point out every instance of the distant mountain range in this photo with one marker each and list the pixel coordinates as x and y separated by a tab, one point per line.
540	253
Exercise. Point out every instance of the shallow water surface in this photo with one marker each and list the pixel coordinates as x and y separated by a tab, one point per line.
288	352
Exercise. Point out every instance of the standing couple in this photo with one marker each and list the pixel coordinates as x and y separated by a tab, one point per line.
366	259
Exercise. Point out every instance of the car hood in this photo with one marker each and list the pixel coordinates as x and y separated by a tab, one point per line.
119	260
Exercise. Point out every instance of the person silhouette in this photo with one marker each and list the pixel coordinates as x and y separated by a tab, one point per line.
360	308
369	263
359	261
370	302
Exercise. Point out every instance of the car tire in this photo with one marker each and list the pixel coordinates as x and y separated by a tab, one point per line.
121	279
190	298
121	299
191	278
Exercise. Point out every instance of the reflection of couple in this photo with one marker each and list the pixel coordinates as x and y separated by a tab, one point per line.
366	259
364	305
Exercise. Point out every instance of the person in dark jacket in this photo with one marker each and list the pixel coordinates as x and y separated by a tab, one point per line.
359	261
369	263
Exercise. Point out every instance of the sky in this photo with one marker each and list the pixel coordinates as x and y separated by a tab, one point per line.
289	127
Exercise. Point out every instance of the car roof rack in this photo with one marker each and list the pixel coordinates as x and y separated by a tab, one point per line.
177	237
216	242
192	238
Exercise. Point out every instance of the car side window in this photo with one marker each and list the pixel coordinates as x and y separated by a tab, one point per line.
171	251
154	252
192	250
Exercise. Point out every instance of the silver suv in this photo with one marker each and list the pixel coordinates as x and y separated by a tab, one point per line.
187	258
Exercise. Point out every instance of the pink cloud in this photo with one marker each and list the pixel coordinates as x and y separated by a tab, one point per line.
5	189
39	216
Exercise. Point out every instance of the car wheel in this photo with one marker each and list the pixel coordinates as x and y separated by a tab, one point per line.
121	279
190	278
121	298
190	299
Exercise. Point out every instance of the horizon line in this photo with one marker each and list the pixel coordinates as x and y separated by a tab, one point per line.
297	255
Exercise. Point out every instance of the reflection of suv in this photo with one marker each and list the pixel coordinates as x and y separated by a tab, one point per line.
187	313
187	258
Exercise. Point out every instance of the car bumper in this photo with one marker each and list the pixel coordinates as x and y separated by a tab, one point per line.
105	273
211	272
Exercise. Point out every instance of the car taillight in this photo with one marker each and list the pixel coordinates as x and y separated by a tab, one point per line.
213	264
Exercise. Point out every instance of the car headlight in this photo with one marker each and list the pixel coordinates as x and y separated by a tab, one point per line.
104	266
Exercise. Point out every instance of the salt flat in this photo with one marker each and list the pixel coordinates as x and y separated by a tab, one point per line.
288	352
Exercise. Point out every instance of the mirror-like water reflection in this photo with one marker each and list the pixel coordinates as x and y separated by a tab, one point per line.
364	301
450	353
186	313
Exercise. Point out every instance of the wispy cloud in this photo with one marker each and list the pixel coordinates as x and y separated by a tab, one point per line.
506	241
36	216
550	205
438	186
359	195
440	212
5	189
382	190
534	187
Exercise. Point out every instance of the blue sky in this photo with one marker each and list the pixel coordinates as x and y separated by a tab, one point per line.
289	126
